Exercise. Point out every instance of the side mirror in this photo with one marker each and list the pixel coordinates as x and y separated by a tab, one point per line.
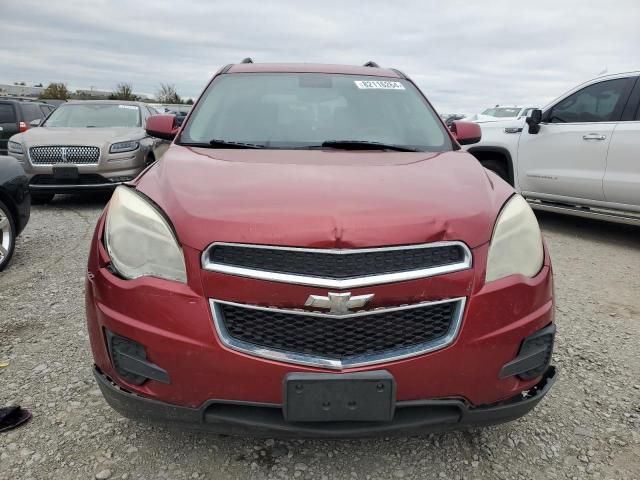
466	133
533	120
162	126
35	123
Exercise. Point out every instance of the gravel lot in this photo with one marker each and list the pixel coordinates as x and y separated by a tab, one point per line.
588	427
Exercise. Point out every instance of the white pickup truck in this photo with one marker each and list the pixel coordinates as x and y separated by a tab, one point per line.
579	155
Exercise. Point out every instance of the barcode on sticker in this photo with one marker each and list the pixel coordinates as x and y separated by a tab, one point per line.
379	84
129	107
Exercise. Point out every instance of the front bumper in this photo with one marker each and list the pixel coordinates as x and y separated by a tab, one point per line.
47	184
110	171
244	418
174	324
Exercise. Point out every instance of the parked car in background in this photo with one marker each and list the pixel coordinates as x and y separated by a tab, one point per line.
179	110
18	115
15	205
449	118
316	255
85	146
578	155
500	112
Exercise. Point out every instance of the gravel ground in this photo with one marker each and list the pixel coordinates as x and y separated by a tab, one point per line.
588	427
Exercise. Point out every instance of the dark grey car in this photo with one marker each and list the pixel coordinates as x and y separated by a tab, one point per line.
18	115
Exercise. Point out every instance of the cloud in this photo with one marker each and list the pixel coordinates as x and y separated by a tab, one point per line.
464	55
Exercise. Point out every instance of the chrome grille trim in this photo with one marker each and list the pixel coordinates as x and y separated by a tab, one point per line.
64	154
329	363
338	284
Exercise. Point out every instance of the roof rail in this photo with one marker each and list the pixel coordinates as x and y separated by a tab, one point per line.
401	74
371	63
247	60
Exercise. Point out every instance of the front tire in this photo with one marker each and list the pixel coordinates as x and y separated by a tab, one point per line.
7	235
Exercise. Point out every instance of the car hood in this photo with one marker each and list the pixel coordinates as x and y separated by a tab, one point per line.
324	199
78	136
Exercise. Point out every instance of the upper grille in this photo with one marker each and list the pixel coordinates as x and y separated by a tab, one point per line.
83	155
339	266
339	341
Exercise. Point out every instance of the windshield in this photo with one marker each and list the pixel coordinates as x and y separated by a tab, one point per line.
305	110
502	112
84	115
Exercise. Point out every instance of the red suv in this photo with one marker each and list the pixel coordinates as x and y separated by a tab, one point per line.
315	255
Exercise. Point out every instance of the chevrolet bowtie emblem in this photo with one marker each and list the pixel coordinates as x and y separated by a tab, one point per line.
338	303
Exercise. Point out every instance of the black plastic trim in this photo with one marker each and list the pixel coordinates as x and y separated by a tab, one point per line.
301	394
501	151
266	420
61	189
138	367
528	359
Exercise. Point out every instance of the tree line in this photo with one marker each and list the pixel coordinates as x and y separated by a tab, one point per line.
166	93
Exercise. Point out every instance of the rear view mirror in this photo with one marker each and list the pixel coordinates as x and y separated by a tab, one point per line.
533	120
466	133
162	126
35	123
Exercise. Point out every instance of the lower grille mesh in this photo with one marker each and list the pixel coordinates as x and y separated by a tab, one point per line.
339	338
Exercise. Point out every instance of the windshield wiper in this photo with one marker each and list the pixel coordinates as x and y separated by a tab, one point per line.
364	145
229	144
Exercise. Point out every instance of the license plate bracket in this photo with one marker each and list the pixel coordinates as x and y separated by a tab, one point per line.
356	397
65	173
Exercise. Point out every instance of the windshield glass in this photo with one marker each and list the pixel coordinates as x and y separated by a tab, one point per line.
502	112
82	115
293	110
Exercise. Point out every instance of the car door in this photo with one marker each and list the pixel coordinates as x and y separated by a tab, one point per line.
567	157
622	175
8	124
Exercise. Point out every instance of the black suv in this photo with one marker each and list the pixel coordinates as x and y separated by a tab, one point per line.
17	115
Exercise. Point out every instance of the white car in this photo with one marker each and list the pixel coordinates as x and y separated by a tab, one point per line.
500	112
578	155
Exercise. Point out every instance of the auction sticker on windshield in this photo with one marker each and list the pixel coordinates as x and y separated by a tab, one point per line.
378	84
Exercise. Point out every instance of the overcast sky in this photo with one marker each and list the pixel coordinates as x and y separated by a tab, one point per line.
464	55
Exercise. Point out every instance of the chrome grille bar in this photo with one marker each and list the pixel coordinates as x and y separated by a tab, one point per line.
327	281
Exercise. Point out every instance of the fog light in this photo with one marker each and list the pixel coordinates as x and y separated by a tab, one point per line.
533	357
129	359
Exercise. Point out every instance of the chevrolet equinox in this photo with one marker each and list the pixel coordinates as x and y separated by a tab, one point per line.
315	255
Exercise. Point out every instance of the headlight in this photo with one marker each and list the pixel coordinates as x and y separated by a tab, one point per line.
15	147
516	245
140	241
122	147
